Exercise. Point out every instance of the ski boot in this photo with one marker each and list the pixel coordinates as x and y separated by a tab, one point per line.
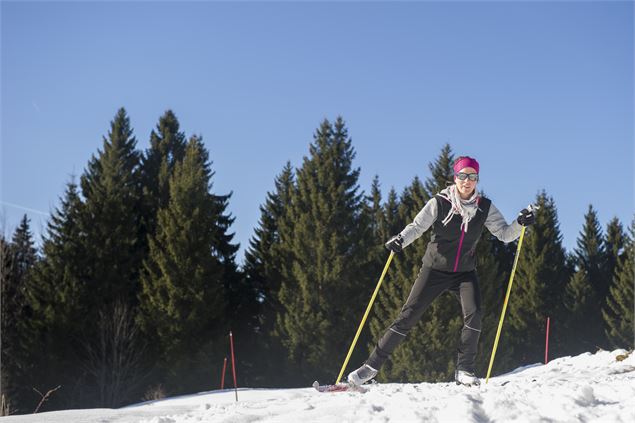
463	377
361	375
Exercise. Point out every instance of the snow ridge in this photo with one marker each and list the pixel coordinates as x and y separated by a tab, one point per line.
589	387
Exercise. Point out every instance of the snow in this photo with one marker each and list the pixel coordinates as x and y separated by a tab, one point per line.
584	388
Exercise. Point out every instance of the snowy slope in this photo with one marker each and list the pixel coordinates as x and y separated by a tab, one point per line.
588	387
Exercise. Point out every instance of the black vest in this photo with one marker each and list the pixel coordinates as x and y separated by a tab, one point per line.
450	249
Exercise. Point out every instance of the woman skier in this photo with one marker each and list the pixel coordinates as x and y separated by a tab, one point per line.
456	215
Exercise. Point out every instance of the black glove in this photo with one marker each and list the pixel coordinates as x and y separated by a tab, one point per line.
526	217
395	244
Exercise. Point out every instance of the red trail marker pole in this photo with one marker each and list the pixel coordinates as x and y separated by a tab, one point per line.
222	379
547	343
231	343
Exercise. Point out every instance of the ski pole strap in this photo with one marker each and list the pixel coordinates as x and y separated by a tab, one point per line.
370	304
509	289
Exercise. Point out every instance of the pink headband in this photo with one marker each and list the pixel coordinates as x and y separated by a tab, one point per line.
465	162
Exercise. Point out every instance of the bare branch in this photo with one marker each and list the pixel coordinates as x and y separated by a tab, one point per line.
44	397
114	358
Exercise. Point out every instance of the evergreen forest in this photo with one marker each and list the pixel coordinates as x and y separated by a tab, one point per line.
135	285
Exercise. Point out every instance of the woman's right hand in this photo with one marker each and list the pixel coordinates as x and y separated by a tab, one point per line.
395	244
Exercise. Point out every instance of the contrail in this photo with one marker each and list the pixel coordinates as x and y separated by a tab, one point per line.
24	208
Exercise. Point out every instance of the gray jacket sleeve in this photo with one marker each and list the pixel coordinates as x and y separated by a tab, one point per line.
424	219
498	226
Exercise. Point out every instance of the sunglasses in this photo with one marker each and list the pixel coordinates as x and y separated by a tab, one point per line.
463	176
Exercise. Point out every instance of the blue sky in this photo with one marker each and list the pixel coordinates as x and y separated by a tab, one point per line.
540	92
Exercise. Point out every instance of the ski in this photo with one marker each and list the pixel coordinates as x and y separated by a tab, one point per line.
339	387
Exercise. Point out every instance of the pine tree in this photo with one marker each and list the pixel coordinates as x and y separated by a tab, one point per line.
264	260
183	296
587	289
581	304
59	295
441	171
374	211
111	221
21	257
6	264
59	290
591	254
618	311
614	246
325	236
111	218
393	222
167	147
538	290
182	279
23	261
240	296
25	254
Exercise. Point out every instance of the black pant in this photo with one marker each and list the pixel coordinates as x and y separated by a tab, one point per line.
429	285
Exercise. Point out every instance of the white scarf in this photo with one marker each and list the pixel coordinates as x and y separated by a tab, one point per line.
465	208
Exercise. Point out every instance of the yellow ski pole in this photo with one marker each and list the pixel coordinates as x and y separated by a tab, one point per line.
509	289
350	351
